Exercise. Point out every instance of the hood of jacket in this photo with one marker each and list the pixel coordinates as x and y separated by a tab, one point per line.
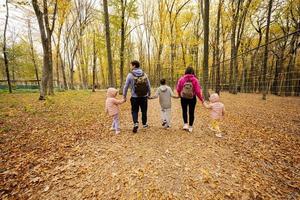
189	76
214	98
163	88
137	72
112	92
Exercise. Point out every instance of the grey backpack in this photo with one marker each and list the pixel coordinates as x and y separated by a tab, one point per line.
188	90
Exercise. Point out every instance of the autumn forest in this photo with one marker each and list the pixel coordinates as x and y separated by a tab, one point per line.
62	62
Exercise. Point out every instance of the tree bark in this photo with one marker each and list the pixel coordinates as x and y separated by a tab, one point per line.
32	54
122	48
108	45
206	49
5	49
94	63
218	81
265	61
45	32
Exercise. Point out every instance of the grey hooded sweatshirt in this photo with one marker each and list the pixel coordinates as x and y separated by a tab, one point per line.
164	93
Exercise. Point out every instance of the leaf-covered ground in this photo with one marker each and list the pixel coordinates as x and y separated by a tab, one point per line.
61	149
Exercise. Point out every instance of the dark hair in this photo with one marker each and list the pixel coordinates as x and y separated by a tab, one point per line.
135	63
163	81
189	70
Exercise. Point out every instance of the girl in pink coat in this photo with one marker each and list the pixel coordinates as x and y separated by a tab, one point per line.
217	113
112	108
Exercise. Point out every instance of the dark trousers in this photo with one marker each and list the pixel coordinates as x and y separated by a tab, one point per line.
136	104
188	104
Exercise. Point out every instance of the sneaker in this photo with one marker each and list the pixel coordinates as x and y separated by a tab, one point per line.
166	126
219	135
112	129
212	129
186	127
135	128
145	126
164	123
190	129
118	132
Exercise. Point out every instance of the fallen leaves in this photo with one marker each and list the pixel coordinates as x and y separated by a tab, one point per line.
61	148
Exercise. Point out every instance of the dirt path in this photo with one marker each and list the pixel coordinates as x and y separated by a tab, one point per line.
77	158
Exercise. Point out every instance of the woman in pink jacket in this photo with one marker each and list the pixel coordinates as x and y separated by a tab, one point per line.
188	87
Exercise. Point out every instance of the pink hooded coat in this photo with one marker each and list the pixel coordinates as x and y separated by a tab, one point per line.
112	104
195	82
217	108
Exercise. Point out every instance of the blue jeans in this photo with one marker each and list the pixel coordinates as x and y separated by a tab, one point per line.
136	104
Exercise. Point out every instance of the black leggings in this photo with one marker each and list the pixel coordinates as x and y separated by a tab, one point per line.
191	103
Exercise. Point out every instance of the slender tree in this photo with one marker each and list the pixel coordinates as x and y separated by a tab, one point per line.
32	54
5	49
218	81
108	45
94	62
265	61
206	49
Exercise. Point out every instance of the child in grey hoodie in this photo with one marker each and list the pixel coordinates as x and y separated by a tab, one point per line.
165	93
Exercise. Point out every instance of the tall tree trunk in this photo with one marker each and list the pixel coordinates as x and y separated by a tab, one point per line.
63	71
108	45
94	62
5	49
206	49
32	54
122	49
265	61
57	56
218	81
46	32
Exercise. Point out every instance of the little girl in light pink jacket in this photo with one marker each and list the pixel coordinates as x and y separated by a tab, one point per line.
217	112
112	108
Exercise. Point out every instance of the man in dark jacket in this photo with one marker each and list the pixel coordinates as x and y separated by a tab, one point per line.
140	87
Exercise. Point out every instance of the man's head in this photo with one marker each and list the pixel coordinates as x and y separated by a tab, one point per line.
163	81
135	64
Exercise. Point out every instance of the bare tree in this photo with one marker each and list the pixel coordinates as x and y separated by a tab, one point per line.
32	54
206	48
46	30
108	45
265	63
218	81
5	49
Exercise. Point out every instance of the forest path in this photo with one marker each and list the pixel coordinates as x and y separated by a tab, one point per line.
257	158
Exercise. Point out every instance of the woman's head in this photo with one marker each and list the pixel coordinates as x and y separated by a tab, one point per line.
112	92
214	98
189	70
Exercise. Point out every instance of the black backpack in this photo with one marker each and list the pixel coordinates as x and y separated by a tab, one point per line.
140	85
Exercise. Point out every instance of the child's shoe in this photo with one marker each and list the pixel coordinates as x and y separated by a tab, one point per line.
190	129
219	135
164	123
118	132
212	129
186	127
112	129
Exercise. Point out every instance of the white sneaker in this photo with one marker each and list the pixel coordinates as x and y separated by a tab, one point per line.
219	135
186	127
190	129
112	129
118	132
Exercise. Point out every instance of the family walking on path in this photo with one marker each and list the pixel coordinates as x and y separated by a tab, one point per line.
188	89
